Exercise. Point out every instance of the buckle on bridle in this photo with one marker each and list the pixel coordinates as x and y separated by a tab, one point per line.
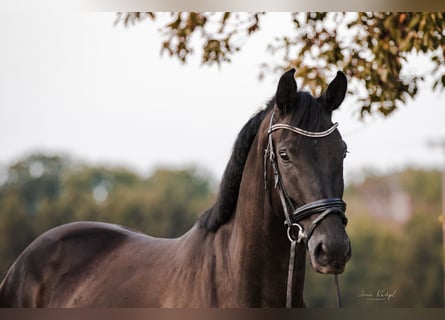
293	234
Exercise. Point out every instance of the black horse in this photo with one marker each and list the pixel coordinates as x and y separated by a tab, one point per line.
279	198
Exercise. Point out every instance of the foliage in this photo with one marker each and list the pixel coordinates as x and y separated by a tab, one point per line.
221	33
389	257
420	277
374	49
375	249
45	191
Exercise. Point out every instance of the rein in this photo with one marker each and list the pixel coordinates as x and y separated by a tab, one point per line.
323	207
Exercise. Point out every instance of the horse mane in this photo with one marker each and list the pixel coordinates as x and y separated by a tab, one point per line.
225	204
308	116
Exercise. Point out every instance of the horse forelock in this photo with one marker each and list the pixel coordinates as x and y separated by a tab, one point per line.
308	114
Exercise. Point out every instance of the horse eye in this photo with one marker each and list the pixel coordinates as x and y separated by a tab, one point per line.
283	155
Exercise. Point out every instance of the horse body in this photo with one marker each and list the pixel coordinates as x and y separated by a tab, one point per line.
71	265
236	255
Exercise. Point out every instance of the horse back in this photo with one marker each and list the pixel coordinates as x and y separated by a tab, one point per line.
59	259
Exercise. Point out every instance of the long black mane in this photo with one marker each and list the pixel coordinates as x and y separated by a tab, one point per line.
224	208
307	115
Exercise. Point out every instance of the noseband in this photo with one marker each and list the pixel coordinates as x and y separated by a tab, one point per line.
293	216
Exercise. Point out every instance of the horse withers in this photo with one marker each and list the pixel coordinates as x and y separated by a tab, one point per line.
280	197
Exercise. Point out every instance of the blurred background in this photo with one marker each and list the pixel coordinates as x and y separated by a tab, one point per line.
130	119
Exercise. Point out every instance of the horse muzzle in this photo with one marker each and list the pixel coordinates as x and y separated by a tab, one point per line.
330	248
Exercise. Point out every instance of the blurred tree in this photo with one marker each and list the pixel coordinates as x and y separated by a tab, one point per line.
36	177
42	192
30	183
16	228
424	188
374	263
419	273
374	49
165	205
389	257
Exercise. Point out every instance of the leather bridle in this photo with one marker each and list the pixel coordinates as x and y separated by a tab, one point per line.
293	216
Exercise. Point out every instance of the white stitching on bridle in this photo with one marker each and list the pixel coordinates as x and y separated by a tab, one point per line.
302	132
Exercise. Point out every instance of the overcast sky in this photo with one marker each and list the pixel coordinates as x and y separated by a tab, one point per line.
76	84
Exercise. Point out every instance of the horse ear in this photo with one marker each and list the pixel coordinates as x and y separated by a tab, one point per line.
335	93
286	91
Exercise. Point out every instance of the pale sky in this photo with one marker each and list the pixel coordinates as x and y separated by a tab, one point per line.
74	83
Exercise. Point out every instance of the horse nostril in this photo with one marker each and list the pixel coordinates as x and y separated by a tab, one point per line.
321	254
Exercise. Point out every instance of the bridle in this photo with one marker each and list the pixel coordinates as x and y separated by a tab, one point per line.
293	216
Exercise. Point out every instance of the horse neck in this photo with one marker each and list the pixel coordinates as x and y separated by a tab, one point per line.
259	244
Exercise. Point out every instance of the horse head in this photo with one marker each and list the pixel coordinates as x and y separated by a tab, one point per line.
305	152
